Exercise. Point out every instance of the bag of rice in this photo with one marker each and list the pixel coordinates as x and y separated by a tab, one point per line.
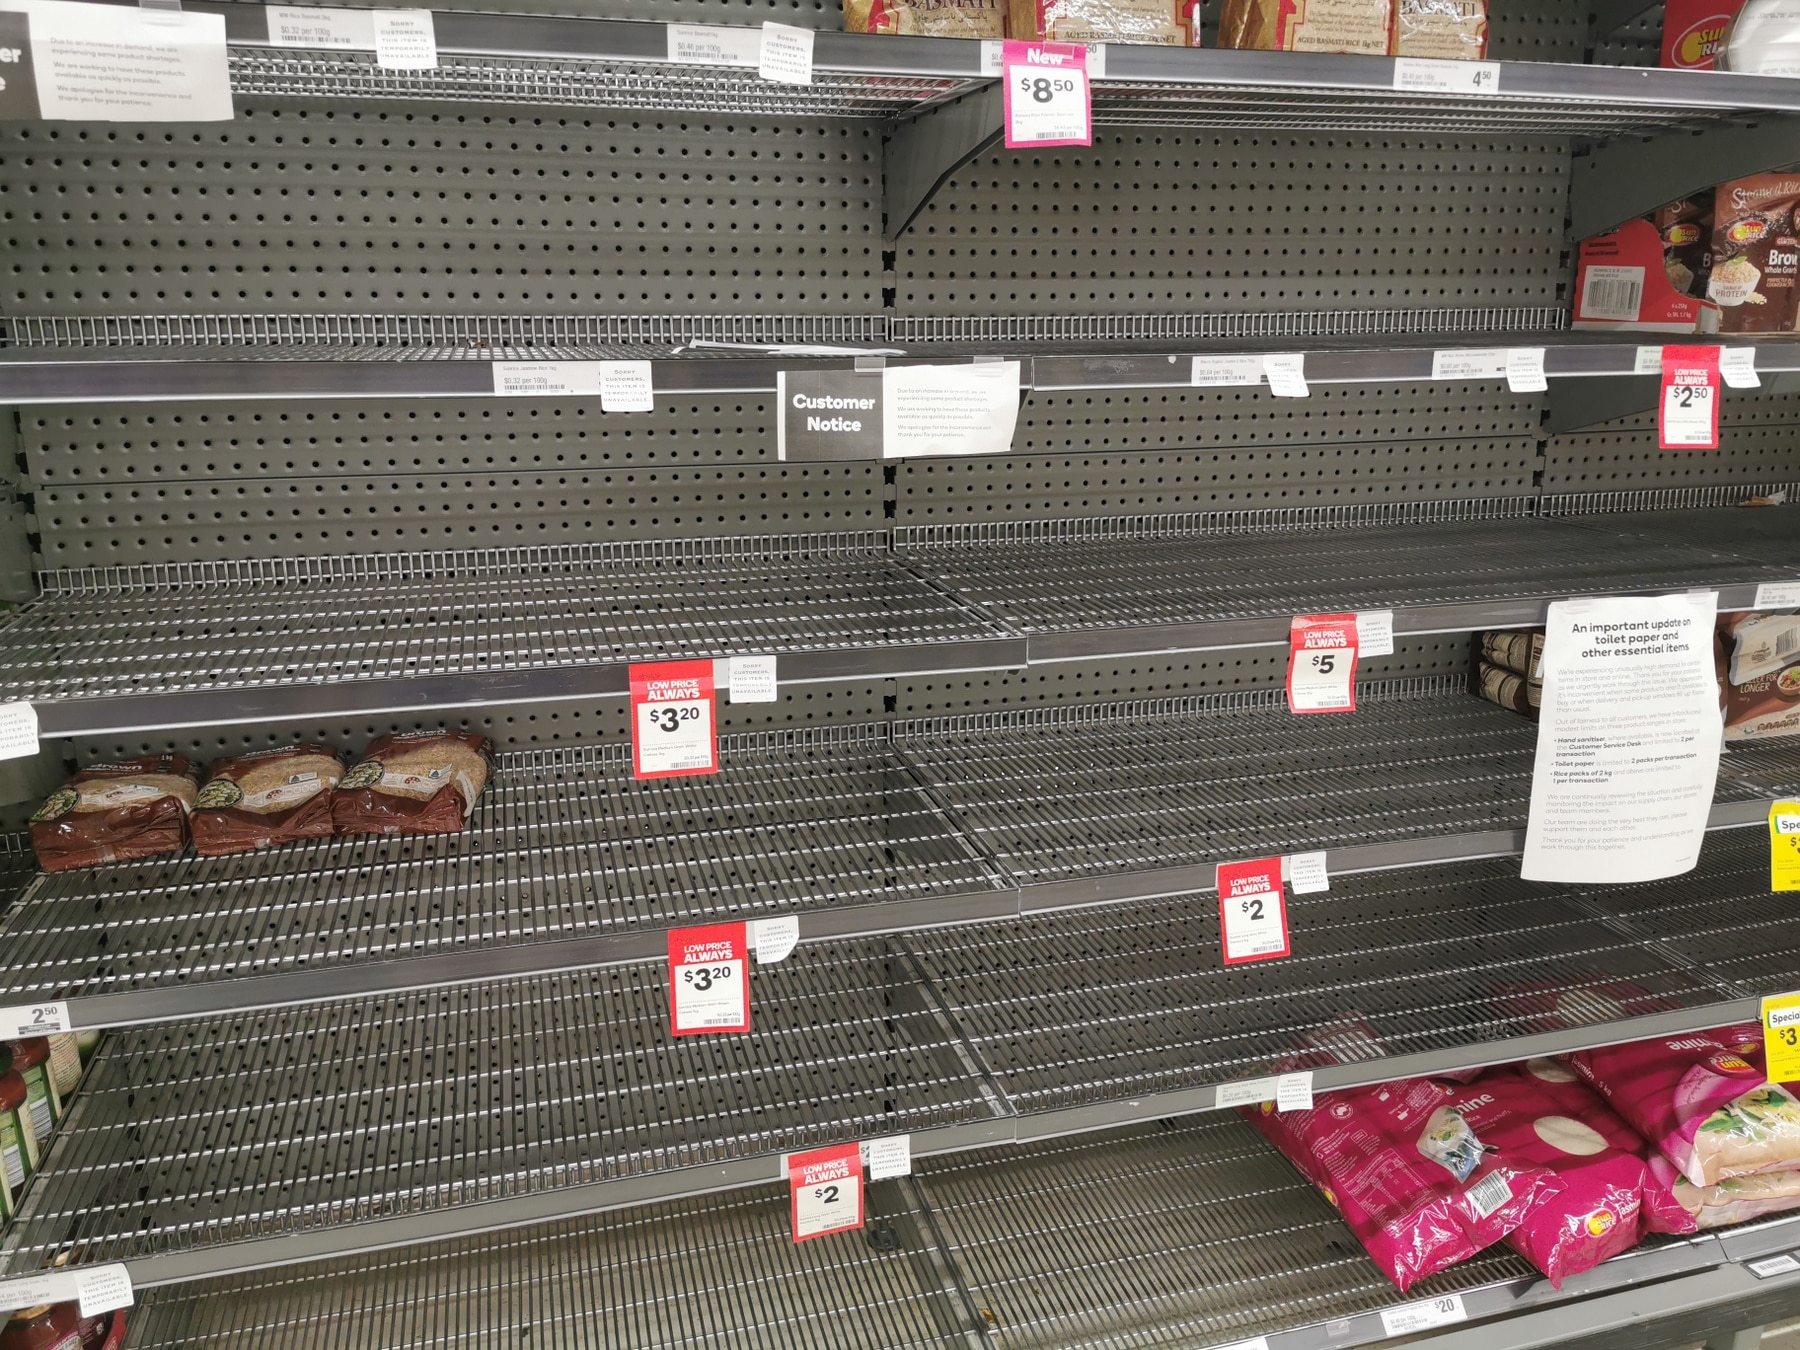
110	813
1734	1200
1409	1176
266	798
419	782
927	18
1702	1099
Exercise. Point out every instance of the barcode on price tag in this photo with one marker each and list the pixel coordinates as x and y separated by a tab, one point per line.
1321	674
18	730
1252	911
1047	99
1423	1315
33	1019
709	979
545	379
825	1188
1688	415
1773	1265
320	29
1423	75
674	719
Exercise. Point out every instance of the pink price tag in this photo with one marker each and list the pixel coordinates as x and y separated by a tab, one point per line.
1688	416
1048	101
1321	674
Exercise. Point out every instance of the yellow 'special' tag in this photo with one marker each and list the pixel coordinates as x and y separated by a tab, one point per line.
1781	1037
1784	846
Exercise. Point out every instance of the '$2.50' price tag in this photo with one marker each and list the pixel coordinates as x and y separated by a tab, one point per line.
1047	98
1321	674
709	979
1688	416
674	721
1252	911
826	1189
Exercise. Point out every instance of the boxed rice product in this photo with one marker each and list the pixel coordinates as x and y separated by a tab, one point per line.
117	812
1692	31
1166	23
1509	689
1363	27
1441	30
266	798
1756	253
419	782
1521	651
1757	655
1627	279
927	18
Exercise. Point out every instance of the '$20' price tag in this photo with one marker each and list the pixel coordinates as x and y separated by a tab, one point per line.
709	979
1321	674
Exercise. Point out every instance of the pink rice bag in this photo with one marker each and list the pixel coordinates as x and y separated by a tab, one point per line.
1407	1173
1600	1210
1702	1100
1733	1200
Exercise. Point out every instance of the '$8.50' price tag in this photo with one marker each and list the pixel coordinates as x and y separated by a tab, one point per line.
709	979
673	719
1322	663
1047	98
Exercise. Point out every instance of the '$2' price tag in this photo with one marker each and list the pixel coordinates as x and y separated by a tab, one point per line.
709	979
674	722
826	1190
1047	98
1322	663
1252	911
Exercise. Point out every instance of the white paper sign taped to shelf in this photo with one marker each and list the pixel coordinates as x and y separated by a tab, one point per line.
27	1020
1772	1265
405	39
111	63
1375	632
1648	361
1769	595
1427	1313
1254	1343
542	379
18	730
625	386
1306	873
1222	371
321	29
751	679
697	44
1469	363
890	1157
1250	1092
1421	75
1628	739
774	939
1287	374
97	1289
1525	370
949	410
1293	1091
1738	367
786	54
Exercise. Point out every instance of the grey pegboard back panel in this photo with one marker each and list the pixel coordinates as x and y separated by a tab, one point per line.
1757	444
107	525
1167	221
450	210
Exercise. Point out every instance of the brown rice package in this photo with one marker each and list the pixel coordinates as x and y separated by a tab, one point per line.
1363	27
1165	23
927	18
1758	658
1442	30
419	782
1756	253
266	798
118	812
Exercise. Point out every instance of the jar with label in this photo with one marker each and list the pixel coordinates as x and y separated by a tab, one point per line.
18	1143
65	1067
51	1326
31	1061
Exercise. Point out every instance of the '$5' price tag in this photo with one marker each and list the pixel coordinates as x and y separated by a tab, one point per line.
1048	101
1322	663
709	980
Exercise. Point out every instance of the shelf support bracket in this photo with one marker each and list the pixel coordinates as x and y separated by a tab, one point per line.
1612	15
921	155
1627	178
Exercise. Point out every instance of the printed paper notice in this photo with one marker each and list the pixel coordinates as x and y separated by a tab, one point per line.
1293	1091
1738	366
18	730
949	410
773	940
1628	739
109	63
786	54
1287	374
625	386
890	1157
1307	874
1525	370
405	39
751	679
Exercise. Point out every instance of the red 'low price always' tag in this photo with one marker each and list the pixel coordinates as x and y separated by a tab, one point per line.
1048	101
1321	674
1687	418
826	1189
1252	911
709	979
674	721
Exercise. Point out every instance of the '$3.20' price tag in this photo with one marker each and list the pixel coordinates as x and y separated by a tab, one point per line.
709	979
674	723
1321	674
